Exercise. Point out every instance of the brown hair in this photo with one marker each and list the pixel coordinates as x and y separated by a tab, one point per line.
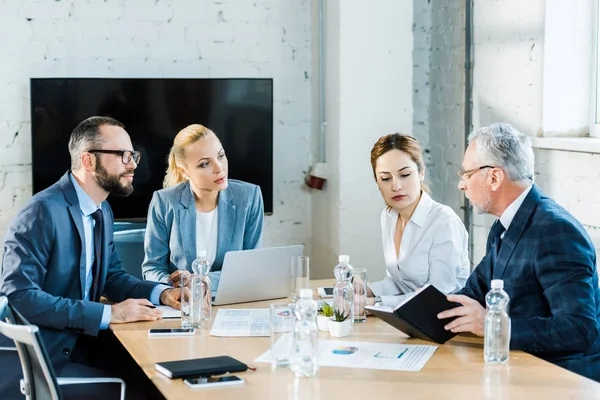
188	135
404	143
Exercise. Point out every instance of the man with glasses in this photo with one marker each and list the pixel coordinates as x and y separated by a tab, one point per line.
60	259
542	253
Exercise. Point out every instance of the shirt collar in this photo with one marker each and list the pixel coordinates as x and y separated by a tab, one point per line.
419	216
509	214
86	204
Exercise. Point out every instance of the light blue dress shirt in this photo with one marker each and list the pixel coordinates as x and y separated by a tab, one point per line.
88	207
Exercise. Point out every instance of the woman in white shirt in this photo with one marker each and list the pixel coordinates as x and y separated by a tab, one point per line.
424	242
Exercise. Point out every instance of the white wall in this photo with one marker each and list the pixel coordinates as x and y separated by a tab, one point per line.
438	85
508	51
369	94
163	38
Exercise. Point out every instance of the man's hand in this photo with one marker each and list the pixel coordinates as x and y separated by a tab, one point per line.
471	316
132	310
171	297
175	277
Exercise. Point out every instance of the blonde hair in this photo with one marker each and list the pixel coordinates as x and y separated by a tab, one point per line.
188	135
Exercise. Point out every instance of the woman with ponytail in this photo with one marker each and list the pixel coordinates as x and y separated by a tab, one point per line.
199	210
423	241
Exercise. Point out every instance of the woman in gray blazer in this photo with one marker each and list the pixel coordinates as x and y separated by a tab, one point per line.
198	210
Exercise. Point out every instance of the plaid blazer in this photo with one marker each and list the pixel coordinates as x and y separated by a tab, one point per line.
548	264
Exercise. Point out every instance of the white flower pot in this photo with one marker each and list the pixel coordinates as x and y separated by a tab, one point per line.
339	329
323	323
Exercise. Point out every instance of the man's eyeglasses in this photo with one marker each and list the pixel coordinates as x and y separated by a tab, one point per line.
126	155
467	174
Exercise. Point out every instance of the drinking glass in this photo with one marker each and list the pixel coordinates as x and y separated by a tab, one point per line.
282	326
300	275
192	291
360	294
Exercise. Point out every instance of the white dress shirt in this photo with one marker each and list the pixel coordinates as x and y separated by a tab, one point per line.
509	214
207	230
434	249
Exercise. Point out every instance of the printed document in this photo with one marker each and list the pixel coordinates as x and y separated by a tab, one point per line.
242	322
169	312
389	356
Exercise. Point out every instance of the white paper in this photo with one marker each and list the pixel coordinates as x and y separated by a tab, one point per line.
388	356
169	312
242	322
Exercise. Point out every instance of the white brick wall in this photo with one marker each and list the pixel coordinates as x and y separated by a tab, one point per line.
438	94
509	40
163	38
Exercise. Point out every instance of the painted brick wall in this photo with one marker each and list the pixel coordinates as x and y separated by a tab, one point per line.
163	38
438	94
509	41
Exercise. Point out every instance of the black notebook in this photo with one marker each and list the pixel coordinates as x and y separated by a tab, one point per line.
417	316
200	367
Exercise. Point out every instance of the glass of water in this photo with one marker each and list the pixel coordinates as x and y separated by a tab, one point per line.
300	275
282	330
360	294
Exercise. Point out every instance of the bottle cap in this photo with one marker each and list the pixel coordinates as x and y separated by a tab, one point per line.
306	293
497	284
344	258
202	253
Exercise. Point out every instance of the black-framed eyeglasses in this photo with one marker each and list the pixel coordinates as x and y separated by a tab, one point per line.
126	155
467	174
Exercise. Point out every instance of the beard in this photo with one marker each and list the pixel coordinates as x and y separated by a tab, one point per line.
112	183
483	206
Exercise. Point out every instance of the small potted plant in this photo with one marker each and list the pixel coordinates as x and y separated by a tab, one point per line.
325	314
339	325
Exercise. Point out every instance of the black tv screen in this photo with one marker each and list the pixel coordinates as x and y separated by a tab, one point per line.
239	111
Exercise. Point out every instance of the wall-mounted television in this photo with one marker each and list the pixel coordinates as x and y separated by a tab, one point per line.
239	111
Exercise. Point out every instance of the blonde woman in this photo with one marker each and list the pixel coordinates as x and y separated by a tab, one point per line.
199	209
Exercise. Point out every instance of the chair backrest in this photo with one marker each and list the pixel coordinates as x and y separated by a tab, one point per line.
39	377
130	248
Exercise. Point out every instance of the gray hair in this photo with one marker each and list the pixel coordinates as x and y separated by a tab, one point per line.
86	136
501	145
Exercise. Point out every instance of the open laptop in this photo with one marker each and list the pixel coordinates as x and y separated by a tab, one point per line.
253	275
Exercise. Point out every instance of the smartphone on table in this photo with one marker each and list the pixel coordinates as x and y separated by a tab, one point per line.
171	331
213	381
325	292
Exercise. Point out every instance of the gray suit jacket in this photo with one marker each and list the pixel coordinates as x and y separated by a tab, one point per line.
43	270
170	242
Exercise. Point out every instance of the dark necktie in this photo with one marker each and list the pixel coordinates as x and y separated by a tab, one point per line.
96	266
496	233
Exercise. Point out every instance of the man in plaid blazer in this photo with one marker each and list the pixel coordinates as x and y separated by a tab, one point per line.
542	253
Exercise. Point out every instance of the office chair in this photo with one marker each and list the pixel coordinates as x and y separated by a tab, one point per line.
130	248
39	380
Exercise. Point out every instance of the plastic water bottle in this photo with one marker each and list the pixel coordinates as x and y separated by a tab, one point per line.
201	267
343	291
496	342
304	360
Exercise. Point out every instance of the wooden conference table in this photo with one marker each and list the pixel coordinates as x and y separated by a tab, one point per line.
455	371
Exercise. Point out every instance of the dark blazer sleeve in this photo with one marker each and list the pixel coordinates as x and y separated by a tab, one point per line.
565	267
27	249
119	284
254	222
